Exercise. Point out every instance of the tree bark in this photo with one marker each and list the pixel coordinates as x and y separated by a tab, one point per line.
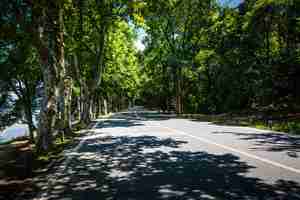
100	106
25	94
77	75
67	115
92	109
48	110
179	92
51	52
105	106
28	115
85	117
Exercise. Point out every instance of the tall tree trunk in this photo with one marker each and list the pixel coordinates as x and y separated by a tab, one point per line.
92	108
48	109
179	92
165	89
26	96
67	118
105	106
28	115
85	117
77	75
65	81
78	99
100	106
111	104
51	53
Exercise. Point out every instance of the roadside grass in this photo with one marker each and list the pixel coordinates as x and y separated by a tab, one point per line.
60	144
292	127
21	153
23	169
55	153
285	126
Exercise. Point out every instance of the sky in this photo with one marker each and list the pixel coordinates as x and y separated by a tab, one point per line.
231	3
141	33
139	42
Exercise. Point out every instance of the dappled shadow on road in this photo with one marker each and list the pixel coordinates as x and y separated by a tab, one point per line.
148	167
270	142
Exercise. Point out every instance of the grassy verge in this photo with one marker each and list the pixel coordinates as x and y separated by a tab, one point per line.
23	170
42	160
290	126
20	152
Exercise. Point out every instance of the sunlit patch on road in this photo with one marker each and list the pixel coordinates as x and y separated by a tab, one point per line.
140	159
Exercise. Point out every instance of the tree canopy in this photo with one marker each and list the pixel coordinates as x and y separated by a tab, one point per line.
199	57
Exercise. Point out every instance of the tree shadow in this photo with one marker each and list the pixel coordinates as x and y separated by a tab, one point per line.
148	167
22	173
270	141
16	170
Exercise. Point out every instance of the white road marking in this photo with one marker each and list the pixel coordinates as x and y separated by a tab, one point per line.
235	150
52	177
228	148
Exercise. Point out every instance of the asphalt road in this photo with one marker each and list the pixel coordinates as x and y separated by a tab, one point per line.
146	155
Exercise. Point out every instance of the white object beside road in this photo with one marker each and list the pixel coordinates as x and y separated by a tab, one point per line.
13	132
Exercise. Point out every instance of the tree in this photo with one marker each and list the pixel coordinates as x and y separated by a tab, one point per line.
121	76
21	73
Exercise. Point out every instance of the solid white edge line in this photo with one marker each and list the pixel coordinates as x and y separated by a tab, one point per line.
236	150
232	149
43	194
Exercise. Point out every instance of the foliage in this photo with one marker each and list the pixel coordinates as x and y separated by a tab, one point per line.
230	59
200	57
121	75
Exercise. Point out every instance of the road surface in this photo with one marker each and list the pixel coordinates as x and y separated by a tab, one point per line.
146	155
